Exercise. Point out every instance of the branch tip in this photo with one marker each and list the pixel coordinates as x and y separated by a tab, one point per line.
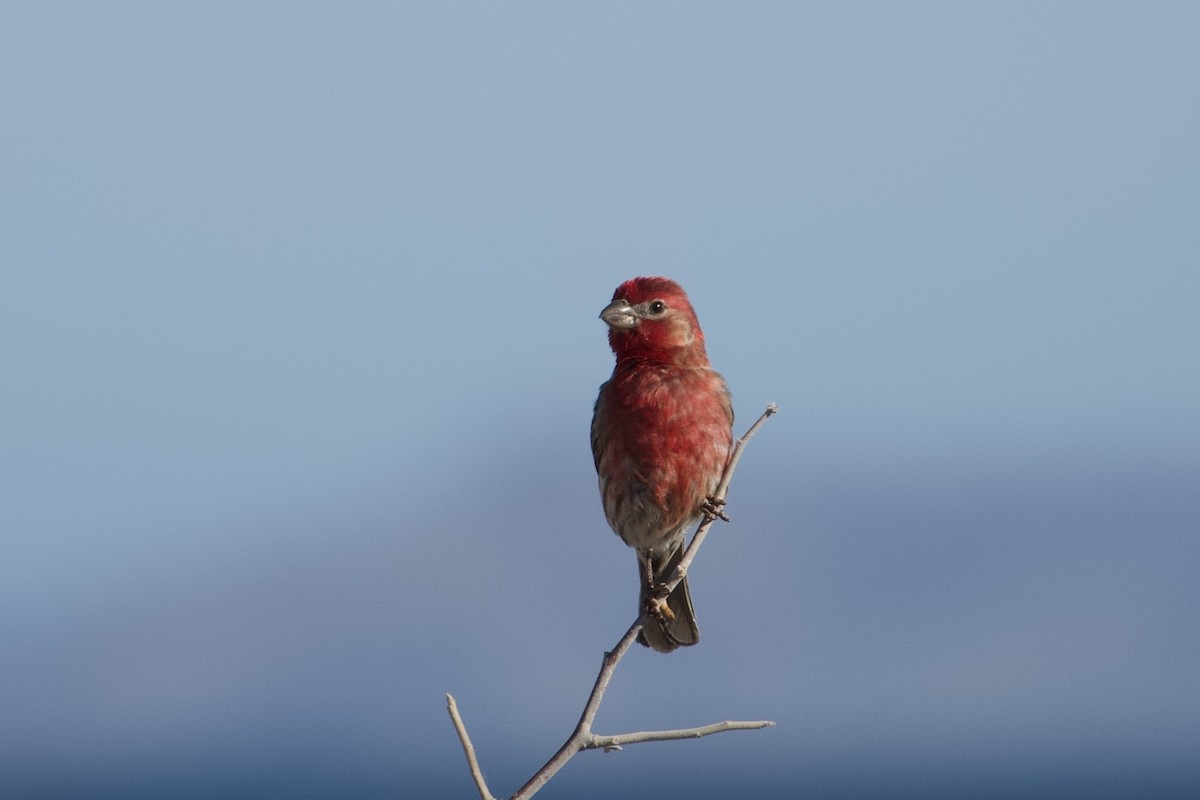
469	749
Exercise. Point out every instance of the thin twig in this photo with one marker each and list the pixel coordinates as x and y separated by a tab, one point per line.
469	749
710	517
582	737
616	742
583	730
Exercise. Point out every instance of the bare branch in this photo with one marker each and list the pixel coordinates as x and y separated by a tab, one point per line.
582	737
607	667
621	739
583	730
468	748
735	455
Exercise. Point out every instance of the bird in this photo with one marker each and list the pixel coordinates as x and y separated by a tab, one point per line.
662	429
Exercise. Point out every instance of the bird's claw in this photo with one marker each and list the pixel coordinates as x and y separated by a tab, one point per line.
714	507
656	604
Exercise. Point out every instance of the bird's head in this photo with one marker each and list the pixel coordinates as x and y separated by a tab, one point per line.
651	318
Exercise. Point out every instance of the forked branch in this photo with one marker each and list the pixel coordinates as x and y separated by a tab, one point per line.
583	738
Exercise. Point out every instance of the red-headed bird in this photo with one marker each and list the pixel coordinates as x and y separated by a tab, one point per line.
661	434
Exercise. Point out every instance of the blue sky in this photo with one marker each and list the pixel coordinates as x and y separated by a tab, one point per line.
298	312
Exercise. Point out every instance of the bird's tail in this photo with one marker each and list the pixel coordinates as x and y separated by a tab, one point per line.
679	628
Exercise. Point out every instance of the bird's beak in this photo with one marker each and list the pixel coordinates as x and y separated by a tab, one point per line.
619	314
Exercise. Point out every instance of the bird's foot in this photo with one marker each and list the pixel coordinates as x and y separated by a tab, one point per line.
714	507
656	604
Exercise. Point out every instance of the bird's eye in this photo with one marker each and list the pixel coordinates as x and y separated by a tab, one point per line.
657	307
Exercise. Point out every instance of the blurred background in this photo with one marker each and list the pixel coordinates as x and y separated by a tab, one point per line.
298	345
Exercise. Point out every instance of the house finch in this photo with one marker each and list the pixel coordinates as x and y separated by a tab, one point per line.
661	434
